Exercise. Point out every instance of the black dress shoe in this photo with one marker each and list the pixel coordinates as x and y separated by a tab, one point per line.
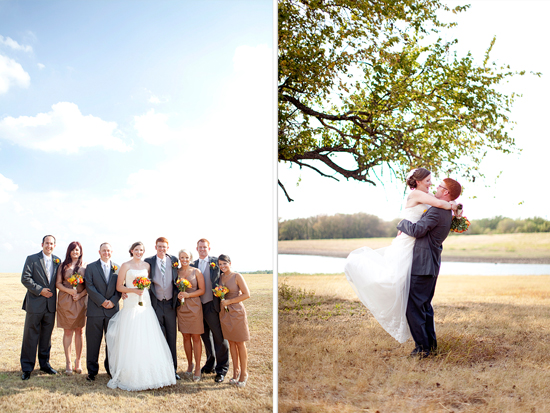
419	353
26	375
90	377
48	370
204	370
219	378
178	377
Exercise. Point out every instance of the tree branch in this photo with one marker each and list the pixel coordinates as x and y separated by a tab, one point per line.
284	190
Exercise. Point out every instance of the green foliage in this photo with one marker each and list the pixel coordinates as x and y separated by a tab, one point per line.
368	83
295	298
503	225
361	225
339	226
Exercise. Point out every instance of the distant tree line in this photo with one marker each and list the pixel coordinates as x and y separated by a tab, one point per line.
363	225
504	225
358	225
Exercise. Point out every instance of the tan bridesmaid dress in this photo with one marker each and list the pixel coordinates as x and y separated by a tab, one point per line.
234	323
71	314
190	312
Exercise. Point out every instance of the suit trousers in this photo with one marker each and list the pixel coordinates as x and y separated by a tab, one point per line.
216	348
37	334
167	316
96	327
420	313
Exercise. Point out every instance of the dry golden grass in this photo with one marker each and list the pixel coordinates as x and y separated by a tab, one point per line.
43	393
493	336
472	247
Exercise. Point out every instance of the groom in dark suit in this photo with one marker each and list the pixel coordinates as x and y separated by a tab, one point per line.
430	232
39	276
163	293
101	278
213	340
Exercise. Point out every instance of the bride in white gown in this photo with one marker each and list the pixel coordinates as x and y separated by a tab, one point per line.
139	356
381	278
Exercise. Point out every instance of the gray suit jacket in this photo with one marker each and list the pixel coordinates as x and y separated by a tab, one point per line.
430	231
34	278
99	290
214	278
153	263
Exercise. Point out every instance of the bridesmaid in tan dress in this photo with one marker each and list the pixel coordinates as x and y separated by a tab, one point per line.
71	305
190	321
234	322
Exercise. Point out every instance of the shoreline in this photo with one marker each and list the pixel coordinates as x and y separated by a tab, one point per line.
496	260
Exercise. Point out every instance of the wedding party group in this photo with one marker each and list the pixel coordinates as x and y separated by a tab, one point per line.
161	294
397	283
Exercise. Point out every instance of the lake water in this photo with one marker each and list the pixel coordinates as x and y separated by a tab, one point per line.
313	264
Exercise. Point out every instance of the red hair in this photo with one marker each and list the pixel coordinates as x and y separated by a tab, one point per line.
203	240
161	239
455	189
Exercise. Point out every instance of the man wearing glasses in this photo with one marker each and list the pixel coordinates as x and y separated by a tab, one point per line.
430	232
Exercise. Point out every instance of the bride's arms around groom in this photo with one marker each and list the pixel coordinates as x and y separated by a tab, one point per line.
419	197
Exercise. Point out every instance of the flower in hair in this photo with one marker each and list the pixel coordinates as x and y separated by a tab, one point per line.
411	173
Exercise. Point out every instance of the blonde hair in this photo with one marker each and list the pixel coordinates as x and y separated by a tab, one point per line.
186	251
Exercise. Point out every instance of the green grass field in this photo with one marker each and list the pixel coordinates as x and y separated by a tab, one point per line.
44	393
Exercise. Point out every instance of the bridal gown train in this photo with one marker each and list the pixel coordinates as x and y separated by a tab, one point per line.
139	356
381	278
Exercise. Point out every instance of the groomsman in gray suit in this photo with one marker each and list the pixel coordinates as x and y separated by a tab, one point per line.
164	272
216	347
101	278
39	276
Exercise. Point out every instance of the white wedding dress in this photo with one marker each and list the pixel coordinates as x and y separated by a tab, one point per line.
381	278
139	357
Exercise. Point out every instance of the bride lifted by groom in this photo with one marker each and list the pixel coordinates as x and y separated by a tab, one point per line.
397	283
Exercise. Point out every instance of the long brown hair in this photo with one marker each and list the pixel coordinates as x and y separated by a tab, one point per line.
69	260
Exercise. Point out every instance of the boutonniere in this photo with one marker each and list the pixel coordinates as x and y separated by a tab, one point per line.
56	260
212	265
175	264
114	268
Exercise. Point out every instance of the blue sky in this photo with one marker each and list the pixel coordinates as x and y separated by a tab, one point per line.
129	120
521	34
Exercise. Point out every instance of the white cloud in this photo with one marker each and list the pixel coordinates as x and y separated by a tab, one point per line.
6	187
155	100
12	73
153	128
8	41
41	66
63	129
216	183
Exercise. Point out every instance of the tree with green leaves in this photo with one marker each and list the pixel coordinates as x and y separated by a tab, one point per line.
363	84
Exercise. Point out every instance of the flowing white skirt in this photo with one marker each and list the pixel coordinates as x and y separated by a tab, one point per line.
139	356
381	280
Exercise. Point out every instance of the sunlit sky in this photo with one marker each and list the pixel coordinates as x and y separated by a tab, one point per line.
129	120
521	31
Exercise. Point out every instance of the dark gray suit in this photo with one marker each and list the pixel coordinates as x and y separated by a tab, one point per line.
40	317
166	309
216	347
98	317
430	232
